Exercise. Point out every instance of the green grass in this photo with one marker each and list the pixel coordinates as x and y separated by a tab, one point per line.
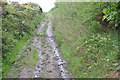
31	59
90	48
27	59
13	57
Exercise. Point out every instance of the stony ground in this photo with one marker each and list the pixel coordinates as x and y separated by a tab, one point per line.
49	63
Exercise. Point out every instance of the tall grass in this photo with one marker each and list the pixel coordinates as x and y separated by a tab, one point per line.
90	50
13	57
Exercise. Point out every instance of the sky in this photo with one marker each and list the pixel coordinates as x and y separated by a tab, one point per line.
45	4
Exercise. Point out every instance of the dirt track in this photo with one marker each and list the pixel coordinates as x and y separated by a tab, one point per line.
50	64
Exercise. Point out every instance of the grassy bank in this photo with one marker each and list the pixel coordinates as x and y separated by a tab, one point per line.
85	41
18	24
13	57
26	61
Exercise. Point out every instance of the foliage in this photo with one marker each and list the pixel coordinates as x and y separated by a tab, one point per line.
90	48
98	49
112	13
18	24
95	25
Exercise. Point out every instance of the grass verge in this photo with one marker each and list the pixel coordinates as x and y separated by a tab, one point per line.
90	48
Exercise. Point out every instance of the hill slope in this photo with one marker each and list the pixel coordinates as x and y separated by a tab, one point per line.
18	24
85	40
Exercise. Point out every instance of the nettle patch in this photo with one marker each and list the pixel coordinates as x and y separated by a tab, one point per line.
98	51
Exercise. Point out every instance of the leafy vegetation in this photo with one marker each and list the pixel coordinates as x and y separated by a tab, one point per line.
86	33
87	38
18	24
112	13
26	61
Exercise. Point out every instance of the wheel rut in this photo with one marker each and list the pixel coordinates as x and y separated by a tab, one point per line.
50	64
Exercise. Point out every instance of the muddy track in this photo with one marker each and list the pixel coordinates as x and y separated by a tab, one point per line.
50	64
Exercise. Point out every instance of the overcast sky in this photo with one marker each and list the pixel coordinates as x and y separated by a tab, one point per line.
45	4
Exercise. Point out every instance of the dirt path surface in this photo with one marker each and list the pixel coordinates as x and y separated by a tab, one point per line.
50	64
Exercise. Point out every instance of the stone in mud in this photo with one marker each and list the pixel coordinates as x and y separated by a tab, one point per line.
42	63
60	64
53	63
38	66
50	51
54	52
48	62
56	58
42	68
61	71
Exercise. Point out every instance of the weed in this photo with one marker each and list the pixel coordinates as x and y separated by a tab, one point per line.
89	51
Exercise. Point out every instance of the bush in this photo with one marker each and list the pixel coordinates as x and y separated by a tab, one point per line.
112	13
18	24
